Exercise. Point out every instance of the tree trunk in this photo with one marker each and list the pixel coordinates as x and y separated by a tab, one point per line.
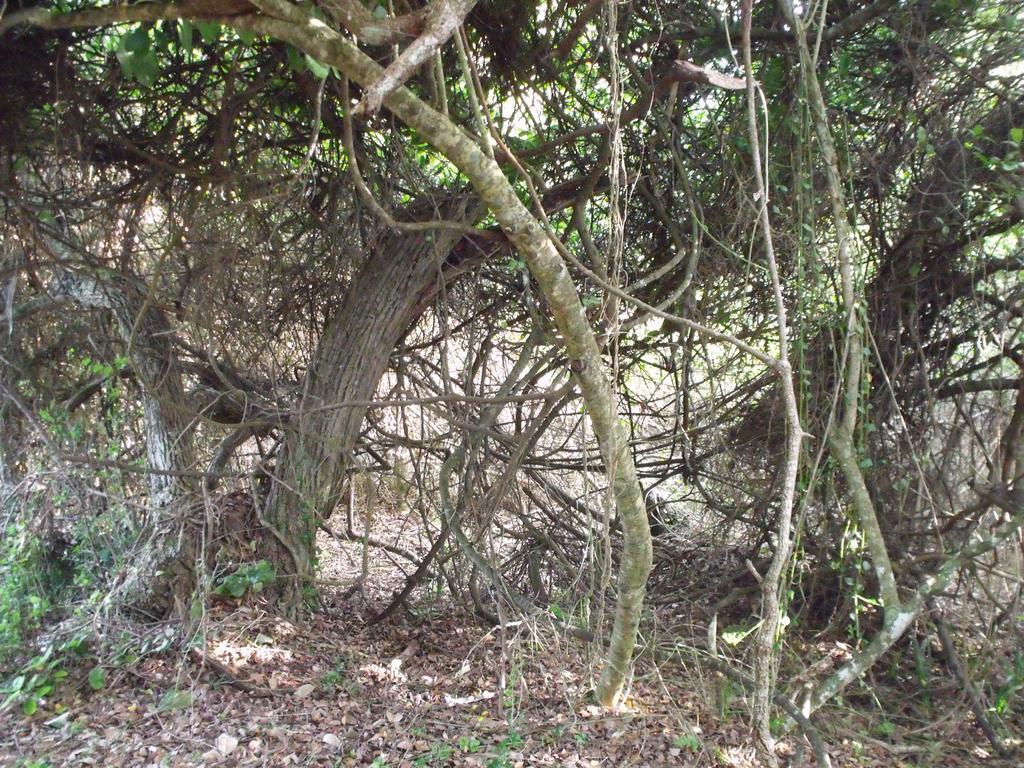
384	300
160	579
8	415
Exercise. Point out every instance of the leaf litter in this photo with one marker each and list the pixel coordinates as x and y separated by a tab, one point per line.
438	690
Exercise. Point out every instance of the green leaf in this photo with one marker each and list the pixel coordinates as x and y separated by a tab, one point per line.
186	33
688	741
176	699
264	572
210	30
161	40
30	706
136	40
1017	135
145	67
126	60
318	69
98	678
295	62
236	585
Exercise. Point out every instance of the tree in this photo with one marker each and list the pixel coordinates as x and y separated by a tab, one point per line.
309	34
766	282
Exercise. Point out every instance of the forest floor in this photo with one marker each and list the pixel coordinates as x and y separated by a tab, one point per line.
434	690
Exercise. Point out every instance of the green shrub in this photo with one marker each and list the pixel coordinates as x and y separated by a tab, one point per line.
24	594
248	577
39	677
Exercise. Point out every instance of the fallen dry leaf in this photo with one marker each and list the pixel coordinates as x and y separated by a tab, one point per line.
331	741
225	744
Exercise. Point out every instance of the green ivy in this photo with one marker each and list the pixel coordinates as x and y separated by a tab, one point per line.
250	577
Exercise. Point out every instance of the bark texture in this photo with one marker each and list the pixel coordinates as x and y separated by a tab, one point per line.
382	303
161	578
146	334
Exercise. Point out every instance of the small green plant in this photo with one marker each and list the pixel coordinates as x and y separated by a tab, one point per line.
97	678
508	696
886	728
249	577
469	744
334	678
439	754
502	758
379	762
24	588
688	741
512	741
1014	682
39	678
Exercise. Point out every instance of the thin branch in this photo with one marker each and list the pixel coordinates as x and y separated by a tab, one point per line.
443	19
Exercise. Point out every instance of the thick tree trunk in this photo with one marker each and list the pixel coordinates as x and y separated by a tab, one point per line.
384	300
